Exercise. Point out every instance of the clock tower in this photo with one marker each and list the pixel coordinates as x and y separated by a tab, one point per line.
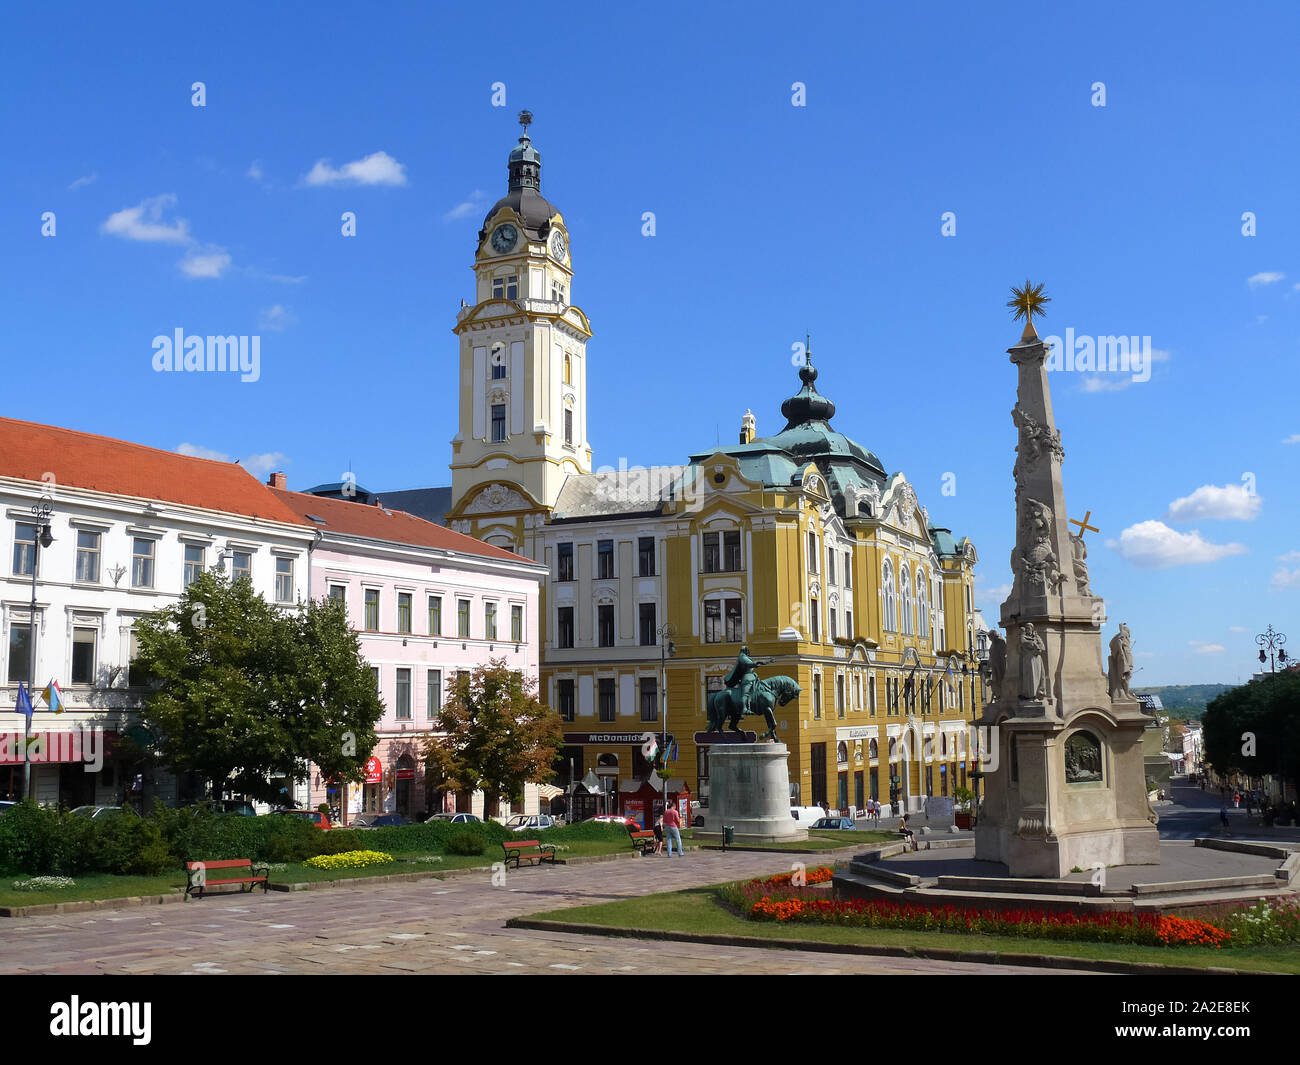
523	364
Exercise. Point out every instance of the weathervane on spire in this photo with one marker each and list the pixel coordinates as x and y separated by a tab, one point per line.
1028	301
807	348
525	120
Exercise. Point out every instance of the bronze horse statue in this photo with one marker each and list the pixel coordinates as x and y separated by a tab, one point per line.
727	706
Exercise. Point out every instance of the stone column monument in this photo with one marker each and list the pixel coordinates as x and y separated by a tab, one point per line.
1065	785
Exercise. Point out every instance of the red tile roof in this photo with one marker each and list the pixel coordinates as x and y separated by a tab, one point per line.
29	451
395	526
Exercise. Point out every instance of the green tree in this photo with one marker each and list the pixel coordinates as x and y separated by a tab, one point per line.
1255	728
497	735
244	691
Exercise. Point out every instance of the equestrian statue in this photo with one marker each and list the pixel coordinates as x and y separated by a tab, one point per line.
748	693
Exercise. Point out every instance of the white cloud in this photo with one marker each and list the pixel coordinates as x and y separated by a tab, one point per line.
379	168
1231	502
1268	277
1153	545
1294	438
206	261
1285	578
1236	628
261	465
1144	654
1106	383
145	222
255	170
276	318
1203	648
83	181
471	206
199	452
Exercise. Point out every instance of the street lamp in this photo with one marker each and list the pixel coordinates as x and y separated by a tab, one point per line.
42	538
667	650
1273	641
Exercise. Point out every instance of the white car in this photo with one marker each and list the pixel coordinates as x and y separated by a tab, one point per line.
530	822
456	819
807	815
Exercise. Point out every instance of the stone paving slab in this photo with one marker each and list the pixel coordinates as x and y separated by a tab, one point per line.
428	926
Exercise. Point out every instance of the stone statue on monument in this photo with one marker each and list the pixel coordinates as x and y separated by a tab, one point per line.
1037	559
1033	677
1120	666
1080	552
997	663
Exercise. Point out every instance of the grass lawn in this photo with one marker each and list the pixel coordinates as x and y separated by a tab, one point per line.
698	910
90	886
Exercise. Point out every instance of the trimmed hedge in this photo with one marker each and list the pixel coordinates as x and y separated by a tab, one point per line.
587	832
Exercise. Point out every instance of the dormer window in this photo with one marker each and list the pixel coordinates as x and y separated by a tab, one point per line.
507	287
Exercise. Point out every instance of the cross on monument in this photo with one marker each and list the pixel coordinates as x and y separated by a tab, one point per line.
1083	525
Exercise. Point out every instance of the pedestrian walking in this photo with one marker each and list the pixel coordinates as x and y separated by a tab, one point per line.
1223	816
1236	800
659	834
672	830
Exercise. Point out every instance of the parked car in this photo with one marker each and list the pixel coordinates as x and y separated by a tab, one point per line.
613	819
228	806
6	805
843	823
457	819
530	822
378	821
101	813
807	814
314	816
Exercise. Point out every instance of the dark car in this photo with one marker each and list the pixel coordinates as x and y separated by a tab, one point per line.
378	821
839	823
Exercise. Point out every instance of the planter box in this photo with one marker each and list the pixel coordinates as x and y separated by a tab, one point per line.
962	820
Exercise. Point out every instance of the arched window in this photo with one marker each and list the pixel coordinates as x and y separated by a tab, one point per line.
909	608
842	752
873	749
891	601
922	605
940	636
568	368
893	747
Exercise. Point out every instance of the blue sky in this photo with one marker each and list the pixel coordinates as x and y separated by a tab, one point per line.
770	219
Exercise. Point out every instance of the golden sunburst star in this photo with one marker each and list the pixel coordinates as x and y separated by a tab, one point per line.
1028	301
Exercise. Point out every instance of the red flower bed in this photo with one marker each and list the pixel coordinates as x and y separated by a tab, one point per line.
764	900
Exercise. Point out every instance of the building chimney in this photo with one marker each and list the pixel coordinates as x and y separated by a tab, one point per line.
278	480
748	427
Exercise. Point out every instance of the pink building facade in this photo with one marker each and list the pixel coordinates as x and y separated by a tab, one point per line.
426	603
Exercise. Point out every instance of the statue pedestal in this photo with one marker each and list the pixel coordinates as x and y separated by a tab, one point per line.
749	789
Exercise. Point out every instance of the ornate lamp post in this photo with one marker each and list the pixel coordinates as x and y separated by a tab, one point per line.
1271	650
42	538
667	650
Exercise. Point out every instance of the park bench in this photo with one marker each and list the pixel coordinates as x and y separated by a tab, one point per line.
534	850
239	871
643	841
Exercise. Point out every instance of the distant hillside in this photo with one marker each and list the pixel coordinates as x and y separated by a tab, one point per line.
1185	700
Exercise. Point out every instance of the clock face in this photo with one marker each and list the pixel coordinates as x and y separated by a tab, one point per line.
558	245
504	237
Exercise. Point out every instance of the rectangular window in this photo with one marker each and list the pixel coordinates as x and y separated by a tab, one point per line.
605	560
607	705
193	564
712	553
568	427
645	555
731	551
506	286
830	567
489	621
817	770
646	624
517	623
565	627
284	580
403	611
462	618
817	695
498	365
814	621
649	699
734	634
871	693
605	625
241	565
713	621
564	696
374	672
403	694
848	624
136	676
20	653
339	592
83	655
834	626
435	615
498	422
564	562
88	557
848	570
812	552
498	288
142	563
839	694
24	549
372	610
433	696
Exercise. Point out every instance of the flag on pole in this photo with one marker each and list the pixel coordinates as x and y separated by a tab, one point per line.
24	703
53	696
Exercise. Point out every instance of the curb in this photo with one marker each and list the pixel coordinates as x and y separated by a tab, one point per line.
986	957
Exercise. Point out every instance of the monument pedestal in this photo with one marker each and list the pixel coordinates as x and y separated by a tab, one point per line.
749	790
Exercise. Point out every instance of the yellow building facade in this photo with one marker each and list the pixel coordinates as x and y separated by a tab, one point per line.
799	546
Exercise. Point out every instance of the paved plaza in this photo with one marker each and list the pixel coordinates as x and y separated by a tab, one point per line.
429	926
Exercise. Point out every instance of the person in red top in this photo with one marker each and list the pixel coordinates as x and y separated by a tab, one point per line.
673	830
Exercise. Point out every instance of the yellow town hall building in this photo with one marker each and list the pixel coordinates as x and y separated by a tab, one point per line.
799	545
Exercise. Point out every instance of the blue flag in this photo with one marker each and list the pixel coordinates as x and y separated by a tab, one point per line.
24	705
